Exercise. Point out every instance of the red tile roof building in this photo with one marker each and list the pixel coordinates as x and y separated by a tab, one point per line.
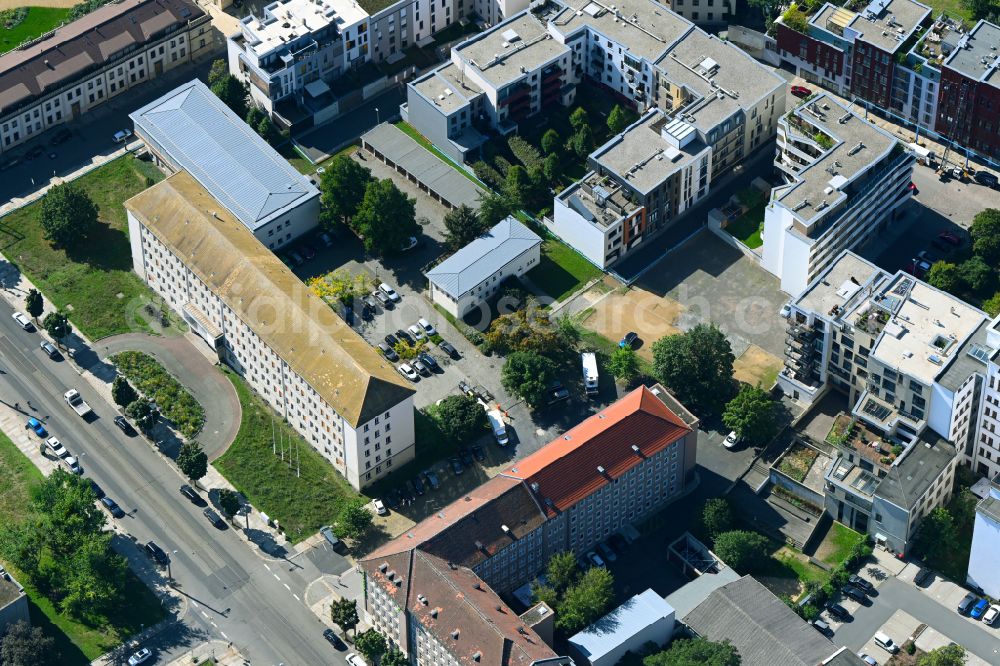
433	590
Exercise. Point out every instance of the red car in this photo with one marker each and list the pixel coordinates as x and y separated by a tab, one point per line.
950	237
801	91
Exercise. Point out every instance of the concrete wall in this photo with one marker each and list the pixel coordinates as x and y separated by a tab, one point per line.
757	44
577	232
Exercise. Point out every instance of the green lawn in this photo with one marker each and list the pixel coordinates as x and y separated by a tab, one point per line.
296	158
302	504
748	227
789	571
78	642
562	270
837	545
410	131
953	8
39	21
87	280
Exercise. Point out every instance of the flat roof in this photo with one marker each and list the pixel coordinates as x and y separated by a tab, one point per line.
989	507
977	54
196	131
286	20
920	465
10	590
463	271
447	88
631	618
646	28
500	54
687	597
86	44
887	24
969	359
708	66
857	146
642	157
598	199
841	283
928	328
303	330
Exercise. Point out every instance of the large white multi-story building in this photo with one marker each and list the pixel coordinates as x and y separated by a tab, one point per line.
845	178
190	128
983	573
79	66
433	591
291	348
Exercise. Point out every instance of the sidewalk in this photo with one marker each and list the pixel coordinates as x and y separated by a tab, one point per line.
220	652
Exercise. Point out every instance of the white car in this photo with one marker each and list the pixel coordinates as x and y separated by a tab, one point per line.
417	332
355	660
140	657
73	464
379	507
389	291
23	321
596	560
122	135
407	371
732	440
56	447
427	326
991	615
786	311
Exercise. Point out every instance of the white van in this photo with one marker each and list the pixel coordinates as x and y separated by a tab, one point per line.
498	426
883	641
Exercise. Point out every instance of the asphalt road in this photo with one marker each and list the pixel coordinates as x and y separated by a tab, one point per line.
894	594
232	593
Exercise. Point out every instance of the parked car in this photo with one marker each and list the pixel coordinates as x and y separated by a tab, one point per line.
466	388
967	602
325	238
407	371
416	332
98	491
448	349
479	453
979	609
384	300
987	179
355	660
297	258
991	615
822	627
595	559
405	337
409	492
924	575
23	321
839	612
122	135
36	426
336	544
466	457
618	542
388	352
432	479
557	392
801	91
949	237
56	447
418	485
307	252
62	136
785	312
456	465
214	518
391	340
856	594
112	507
868	659
33	153
390	292
125	426
73	464
862	584
49	349
334	640
607	552
427	326
732	440
429	361
392	500
192	495
483	393
140	657
629	340
379	507
157	553
421	367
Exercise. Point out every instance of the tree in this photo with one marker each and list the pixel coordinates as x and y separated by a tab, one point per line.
544	594
192	460
340	285
394	658
946	655
122	392
344	613
578	118
529	328
624	364
751	414
24	645
982	9
945	276
562	571
229	502
386	217
342	189
517	186
977	275
219	71
69	216
617	120
143	413
233	94
697	366
936	536
796	19
461	417
985	232
527	375
992	305
266	129
354	520
769	8
552	168
371	644
583	141
57	325
586	601
695	652
717	517
33	303
744	551
463	226
550	141
494	208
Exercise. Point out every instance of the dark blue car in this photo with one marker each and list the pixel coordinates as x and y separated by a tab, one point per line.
978	610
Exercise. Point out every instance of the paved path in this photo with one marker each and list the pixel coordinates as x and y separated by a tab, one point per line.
209	387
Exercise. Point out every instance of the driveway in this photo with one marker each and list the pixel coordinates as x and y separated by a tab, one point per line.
321	142
196	373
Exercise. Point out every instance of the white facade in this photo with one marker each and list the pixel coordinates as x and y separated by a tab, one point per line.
984	572
645	618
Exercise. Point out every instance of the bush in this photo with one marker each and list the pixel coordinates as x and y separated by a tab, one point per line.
487	174
502	164
153	381
524	151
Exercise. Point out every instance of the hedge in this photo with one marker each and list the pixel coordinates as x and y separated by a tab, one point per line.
153	381
524	151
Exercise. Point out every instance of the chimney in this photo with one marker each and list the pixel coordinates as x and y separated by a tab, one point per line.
636	451
454	634
383	567
601	470
477	656
434	612
506	530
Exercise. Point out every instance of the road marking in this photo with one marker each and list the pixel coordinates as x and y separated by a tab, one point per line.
224	635
296	596
286	587
207	616
267	567
275	576
214	624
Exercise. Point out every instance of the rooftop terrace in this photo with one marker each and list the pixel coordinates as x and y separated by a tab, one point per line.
598	199
888	23
840	286
976	55
645	27
287	20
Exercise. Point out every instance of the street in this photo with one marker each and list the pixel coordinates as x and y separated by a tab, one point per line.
228	591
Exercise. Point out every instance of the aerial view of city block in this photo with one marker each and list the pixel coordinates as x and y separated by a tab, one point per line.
500	332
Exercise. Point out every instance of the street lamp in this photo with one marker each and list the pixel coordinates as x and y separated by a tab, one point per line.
378	120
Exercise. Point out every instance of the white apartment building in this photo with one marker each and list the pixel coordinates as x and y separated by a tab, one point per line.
190	128
79	66
845	179
983	572
290	347
468	278
433	591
